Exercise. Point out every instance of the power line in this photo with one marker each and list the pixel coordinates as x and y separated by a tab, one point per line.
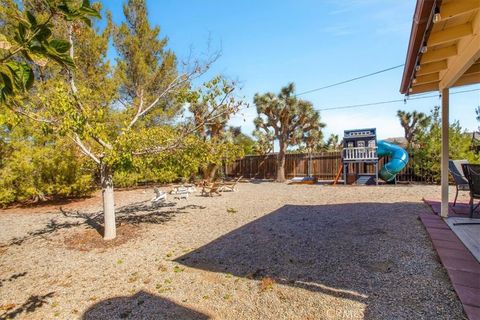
350	80
393	101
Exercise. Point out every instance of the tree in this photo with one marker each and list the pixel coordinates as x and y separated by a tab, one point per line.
428	147
333	143
289	120
242	140
116	119
263	143
216	94
412	123
477	112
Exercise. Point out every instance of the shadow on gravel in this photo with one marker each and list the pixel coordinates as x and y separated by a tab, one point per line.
142	305
136	213
376	254
29	306
12	278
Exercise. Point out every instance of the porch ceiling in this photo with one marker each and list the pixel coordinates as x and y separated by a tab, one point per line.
444	49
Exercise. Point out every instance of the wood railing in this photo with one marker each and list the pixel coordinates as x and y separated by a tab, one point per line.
360	153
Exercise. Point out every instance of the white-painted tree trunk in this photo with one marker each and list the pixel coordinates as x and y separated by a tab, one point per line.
106	176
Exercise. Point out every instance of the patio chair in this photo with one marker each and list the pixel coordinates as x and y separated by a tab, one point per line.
461	182
230	185
181	193
211	189
472	173
159	197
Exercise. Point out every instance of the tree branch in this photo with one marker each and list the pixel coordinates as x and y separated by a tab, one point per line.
74	90
84	148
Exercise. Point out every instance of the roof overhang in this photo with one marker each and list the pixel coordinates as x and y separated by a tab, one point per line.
444	46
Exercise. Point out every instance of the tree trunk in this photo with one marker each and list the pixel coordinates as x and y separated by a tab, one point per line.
209	172
106	176
281	162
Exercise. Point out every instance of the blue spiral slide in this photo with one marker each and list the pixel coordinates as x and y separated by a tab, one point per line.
398	159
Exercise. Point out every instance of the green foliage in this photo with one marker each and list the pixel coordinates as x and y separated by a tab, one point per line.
215	101
427	150
246	143
30	42
145	68
333	143
161	167
36	167
121	118
263	143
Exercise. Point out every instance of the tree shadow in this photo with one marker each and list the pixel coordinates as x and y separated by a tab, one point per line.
12	278
33	303
51	227
371	253
142	212
142	305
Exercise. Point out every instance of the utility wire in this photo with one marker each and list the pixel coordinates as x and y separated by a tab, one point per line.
350	80
393	101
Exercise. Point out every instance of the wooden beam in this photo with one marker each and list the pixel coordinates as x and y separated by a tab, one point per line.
439	54
449	34
467	79
475	68
432	68
458	7
468	54
433	86
432	77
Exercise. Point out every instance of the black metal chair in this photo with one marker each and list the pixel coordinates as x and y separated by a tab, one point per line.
472	173
461	182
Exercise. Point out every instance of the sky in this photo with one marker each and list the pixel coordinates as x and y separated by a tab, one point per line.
267	44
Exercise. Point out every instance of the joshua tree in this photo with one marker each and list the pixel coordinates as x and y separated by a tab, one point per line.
412	123
289	120
333	143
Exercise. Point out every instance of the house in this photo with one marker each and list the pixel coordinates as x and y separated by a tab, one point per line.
443	53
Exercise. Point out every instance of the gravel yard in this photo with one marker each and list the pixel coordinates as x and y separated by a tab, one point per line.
268	251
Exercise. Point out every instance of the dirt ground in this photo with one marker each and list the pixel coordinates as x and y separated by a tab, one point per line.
267	251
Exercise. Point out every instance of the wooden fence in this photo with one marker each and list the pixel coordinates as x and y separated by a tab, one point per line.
323	166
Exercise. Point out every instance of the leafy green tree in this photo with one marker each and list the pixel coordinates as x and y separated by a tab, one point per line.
428	147
114	119
412	123
214	96
245	142
289	120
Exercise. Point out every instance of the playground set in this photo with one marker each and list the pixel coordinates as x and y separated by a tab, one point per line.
361	148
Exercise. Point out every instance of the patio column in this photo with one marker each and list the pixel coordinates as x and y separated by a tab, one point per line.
444	165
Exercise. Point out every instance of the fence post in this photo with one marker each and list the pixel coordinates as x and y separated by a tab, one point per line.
250	161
